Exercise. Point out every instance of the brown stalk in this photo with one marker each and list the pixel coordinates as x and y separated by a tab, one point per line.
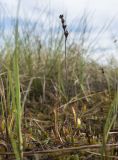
66	33
63	150
2	93
56	125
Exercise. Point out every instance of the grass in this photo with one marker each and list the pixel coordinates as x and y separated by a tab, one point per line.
37	113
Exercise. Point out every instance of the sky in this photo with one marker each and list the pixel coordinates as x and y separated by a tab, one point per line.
102	12
103	8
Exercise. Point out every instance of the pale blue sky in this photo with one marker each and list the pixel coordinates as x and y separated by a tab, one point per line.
72	7
102	12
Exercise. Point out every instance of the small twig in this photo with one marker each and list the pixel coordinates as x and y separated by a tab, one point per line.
63	150
98	154
77	98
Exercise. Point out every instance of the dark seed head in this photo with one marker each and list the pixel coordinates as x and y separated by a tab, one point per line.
64	26
115	41
102	70
66	33
62	20
61	16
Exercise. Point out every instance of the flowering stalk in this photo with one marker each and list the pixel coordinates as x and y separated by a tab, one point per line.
66	33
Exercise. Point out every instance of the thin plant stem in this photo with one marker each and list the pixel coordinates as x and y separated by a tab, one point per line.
66	70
